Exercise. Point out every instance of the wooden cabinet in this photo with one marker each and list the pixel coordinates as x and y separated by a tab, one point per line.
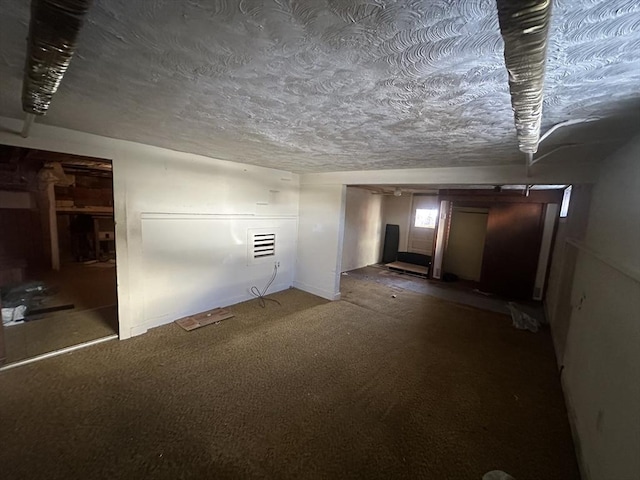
511	250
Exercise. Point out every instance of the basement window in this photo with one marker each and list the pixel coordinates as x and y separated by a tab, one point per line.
426	217
566	198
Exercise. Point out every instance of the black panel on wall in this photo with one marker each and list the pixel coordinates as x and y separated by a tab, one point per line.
391	243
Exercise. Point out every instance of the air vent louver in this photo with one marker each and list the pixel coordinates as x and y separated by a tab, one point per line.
264	245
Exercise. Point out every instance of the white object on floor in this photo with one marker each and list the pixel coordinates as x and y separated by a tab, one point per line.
522	320
13	315
497	475
13	322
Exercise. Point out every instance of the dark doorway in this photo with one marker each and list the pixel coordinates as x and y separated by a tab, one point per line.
57	252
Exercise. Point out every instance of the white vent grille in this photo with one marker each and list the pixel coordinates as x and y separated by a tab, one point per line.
264	245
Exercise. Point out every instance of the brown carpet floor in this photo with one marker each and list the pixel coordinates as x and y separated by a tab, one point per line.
368	387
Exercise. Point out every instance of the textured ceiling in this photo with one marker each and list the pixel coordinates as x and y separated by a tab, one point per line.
310	85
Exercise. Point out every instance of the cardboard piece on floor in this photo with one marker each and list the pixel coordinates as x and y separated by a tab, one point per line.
205	318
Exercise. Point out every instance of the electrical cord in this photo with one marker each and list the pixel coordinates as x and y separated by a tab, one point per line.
261	295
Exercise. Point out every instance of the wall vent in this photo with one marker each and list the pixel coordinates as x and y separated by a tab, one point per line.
263	245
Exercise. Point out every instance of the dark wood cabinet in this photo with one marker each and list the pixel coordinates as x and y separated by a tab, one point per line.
512	247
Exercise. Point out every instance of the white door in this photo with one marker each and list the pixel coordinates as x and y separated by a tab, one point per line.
423	222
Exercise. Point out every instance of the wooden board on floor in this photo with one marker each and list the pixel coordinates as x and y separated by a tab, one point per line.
408	267
205	318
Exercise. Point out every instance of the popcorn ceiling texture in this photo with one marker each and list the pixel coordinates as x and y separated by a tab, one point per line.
310	85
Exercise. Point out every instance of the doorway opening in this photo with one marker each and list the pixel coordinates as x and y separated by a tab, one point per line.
57	252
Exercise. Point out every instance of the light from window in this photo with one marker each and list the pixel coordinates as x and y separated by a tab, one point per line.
426	217
566	198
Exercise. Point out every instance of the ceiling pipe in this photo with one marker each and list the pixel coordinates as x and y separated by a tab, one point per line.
524	25
53	31
28	121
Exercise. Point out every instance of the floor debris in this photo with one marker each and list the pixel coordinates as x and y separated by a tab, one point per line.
523	320
214	316
497	475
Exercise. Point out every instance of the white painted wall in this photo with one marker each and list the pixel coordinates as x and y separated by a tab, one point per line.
232	197
362	229
181	223
192	263
601	375
563	263
397	211
320	239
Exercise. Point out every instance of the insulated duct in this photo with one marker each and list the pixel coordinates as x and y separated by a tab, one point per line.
52	37
525	29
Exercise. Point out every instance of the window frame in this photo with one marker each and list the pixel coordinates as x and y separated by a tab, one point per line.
431	216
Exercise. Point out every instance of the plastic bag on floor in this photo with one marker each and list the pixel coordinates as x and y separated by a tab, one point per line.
497	475
522	320
17	300
13	315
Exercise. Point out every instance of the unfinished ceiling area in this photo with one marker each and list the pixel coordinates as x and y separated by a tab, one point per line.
309	85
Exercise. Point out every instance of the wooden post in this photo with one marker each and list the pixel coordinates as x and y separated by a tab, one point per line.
3	350
53	227
96	237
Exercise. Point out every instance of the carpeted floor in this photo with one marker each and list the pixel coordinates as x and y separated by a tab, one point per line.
367	387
